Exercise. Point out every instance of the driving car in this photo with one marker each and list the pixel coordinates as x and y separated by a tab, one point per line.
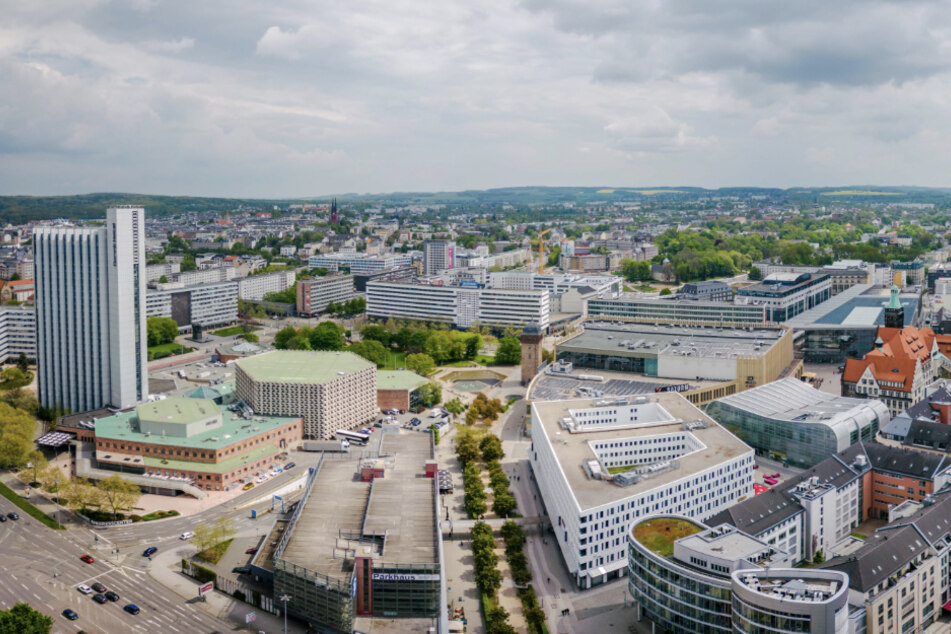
148	552
186	535
84	588
289	466
69	614
88	559
13	516
241	570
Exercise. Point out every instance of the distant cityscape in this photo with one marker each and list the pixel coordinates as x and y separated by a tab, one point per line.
685	413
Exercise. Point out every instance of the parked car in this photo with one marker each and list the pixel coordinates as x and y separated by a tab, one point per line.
241	570
112	596
148	552
84	588
69	614
249	485
3	518
289	466
251	551
13	516
98	587
132	608
88	559
99	598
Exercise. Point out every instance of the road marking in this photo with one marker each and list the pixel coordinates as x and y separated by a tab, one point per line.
23	585
173	628
37	596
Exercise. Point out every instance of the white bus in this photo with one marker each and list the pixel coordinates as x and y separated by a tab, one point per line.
353	436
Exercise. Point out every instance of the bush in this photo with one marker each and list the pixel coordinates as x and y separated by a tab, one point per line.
202	574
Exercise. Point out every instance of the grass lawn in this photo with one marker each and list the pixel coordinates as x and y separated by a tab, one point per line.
622	468
167	350
214	554
231	331
660	534
396	361
28	508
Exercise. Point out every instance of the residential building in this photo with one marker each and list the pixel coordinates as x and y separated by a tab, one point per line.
785	295
458	305
678	460
205	305
17	332
438	255
155	272
358	263
316	293
330	390
400	274
206	275
90	312
908	273
255	287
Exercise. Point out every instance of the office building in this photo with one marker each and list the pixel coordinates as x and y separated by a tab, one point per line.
785	295
908	273
330	390
17	332
845	327
711	291
438	255
347	561
633	308
91	312
398	389
255	287
791	421
358	263
316	293
460	306
689	577
602	464
843	274
205	305
399	274
155	272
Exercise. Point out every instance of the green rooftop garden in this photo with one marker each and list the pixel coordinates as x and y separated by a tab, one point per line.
660	534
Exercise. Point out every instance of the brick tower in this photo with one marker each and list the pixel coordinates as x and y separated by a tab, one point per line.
531	352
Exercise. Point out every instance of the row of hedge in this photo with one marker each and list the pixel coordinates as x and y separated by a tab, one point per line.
514	538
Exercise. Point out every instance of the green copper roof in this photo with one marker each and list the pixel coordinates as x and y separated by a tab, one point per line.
178	410
893	302
398	380
302	366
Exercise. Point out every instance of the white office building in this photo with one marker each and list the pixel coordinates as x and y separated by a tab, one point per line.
461	306
438	255
90	312
358	263
17	332
255	287
315	294
602	464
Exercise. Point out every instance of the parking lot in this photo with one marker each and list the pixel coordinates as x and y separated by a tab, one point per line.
416	422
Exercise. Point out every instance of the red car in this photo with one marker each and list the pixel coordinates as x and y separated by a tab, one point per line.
88	559
251	550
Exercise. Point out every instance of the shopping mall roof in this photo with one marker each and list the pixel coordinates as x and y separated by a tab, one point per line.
398	380
861	306
301	366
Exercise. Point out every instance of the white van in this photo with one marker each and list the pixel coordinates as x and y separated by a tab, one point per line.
187	535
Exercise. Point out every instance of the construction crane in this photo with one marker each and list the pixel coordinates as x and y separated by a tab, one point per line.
541	251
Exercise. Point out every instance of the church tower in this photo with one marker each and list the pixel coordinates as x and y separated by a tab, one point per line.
531	340
334	216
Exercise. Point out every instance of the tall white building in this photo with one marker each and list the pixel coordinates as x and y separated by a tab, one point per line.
90	312
438	255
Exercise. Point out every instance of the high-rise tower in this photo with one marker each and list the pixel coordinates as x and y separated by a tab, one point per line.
894	312
438	255
334	215
90	312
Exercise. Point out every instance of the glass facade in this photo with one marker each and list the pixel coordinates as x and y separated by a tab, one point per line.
679	600
749	619
835	345
315	598
800	444
402	597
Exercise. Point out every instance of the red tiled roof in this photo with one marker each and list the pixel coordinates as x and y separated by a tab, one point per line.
907	342
883	369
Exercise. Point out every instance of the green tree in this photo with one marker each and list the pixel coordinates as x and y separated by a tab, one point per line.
454	406
118	493
636	270
283	336
16	436
161	330
11	378
36	462
420	363
491	448
430	394
438	346
23	619
509	351
163	280
250	337
80	494
23	363
223	530
371	350
204	537
755	273
665	291
377	333
298	342
503	504
326	336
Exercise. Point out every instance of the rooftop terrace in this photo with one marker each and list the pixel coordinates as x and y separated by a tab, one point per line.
659	534
301	366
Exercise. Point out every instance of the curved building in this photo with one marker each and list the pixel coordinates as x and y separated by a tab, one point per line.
792	421
791	600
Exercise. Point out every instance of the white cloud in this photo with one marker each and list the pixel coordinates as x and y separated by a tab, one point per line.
169	46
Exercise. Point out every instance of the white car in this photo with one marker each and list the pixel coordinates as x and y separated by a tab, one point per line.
84	588
186	535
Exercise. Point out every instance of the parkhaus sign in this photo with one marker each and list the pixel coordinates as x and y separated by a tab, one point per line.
386	576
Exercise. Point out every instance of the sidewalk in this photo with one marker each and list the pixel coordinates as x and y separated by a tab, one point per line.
166	569
40	501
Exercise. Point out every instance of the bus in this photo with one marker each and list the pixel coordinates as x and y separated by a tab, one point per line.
353	436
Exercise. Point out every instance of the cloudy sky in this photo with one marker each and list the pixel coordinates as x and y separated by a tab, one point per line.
299	97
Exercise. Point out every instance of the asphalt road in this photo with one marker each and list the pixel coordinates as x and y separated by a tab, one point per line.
32	554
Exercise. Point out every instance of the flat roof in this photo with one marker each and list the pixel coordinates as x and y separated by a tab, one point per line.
234	428
556	387
301	366
177	409
398	380
572	450
400	505
860	306
643	339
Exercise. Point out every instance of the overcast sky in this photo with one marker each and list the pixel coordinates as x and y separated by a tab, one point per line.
294	97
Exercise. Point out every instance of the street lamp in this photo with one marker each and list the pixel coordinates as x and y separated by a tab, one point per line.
285	598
